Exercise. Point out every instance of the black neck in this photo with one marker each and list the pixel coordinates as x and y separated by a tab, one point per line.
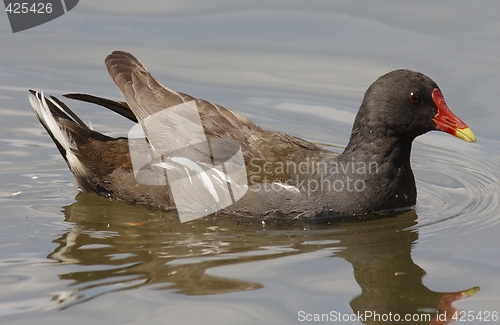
388	179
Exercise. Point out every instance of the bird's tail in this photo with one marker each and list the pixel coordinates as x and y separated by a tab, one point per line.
65	128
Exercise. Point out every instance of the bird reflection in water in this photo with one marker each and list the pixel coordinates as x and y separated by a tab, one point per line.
120	246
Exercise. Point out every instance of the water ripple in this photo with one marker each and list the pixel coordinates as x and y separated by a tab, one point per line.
457	186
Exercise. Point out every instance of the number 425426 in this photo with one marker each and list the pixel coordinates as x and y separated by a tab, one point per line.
485	316
24	8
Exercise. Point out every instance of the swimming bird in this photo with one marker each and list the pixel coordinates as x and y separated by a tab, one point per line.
200	158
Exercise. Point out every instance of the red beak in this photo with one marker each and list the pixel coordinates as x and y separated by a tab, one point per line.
448	122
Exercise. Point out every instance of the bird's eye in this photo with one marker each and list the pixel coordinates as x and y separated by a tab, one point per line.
414	98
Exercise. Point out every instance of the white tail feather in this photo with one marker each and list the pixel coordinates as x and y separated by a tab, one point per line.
58	131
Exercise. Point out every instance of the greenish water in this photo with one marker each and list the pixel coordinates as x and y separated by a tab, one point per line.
296	68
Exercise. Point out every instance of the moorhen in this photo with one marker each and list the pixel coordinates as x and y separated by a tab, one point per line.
201	158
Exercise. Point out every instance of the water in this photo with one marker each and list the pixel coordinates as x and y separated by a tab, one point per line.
297	68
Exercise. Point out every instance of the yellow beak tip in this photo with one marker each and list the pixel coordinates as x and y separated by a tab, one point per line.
466	134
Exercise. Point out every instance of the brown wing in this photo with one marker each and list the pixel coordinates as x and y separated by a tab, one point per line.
145	96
